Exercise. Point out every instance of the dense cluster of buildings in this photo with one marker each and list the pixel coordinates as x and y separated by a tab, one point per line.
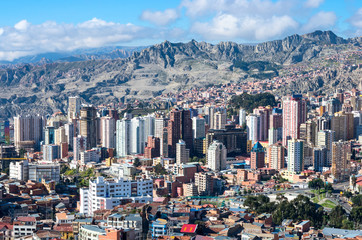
101	173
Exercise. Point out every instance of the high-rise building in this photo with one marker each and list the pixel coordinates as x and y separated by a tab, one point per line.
173	131
59	136
186	129
51	152
320	158
123	137
73	108
216	156
308	132
149	126
343	125
341	156
88	126
264	121
275	135
179	127
198	127
276	156
294	114
137	135
108	132
80	145
234	139
252	127
276	120
49	137
164	143
69	133
219	120
28	131
257	156
204	183
295	155
323	123
333	106
325	138
209	114
182	153
160	124
4	132
242	117
153	147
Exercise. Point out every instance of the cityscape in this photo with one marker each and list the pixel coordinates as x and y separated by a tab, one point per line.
119	125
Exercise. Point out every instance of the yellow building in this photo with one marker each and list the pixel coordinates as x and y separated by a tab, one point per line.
110	161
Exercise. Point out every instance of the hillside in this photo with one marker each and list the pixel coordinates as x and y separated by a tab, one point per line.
168	67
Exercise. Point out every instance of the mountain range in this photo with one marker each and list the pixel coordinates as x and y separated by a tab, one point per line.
43	84
74	56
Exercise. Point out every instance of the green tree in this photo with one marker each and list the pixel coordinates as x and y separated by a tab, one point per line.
356	215
22	152
301	208
347	194
357	200
136	162
316	183
249	102
159	169
328	188
64	168
346	224
354	181
259	204
336	217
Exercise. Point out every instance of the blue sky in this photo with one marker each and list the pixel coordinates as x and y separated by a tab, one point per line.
31	27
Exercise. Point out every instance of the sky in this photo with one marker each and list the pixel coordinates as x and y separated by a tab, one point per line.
41	26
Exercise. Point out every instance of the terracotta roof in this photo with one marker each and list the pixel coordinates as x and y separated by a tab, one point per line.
63	228
6	225
48	234
26	219
61	216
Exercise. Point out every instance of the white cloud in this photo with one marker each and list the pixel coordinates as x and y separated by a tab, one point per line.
26	39
356	19
22	25
320	21
227	26
160	18
197	8
313	3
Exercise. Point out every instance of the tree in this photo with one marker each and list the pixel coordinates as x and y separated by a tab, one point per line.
22	152
357	200
347	194
336	216
249	102
136	162
354	181
356	215
64	168
346	224
301	208
328	188
316	183
259	204
159	169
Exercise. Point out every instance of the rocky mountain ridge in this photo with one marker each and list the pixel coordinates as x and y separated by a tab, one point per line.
159	68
